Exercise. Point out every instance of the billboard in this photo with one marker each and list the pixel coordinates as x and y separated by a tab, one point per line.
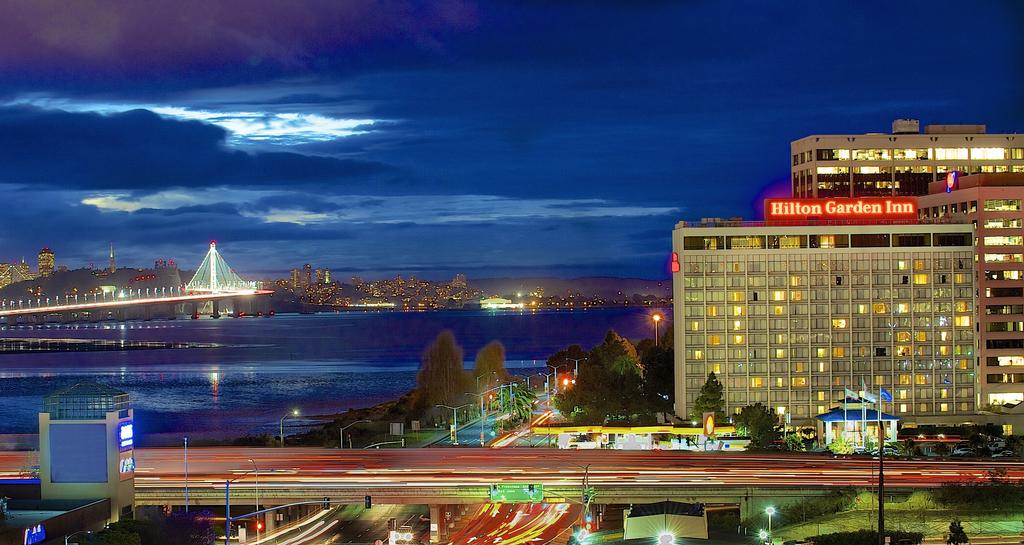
78	453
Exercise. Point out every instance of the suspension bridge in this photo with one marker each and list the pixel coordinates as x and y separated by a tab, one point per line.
214	286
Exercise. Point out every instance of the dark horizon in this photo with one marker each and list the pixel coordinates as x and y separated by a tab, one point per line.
490	138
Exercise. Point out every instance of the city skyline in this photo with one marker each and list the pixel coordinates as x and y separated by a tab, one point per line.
373	148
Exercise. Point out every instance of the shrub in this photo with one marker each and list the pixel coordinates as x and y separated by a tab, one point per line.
865	537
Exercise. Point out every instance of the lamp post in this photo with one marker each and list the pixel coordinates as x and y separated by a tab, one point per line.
227	506
555	369
73	534
656	318
257	470
770	512
455	420
576	369
584	496
295	412
341	432
186	474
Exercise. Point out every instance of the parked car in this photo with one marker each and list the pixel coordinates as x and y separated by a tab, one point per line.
1004	454
962	452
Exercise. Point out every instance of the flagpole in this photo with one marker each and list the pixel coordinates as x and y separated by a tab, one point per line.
881	469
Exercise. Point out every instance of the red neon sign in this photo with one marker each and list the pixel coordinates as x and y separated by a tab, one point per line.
862	208
675	262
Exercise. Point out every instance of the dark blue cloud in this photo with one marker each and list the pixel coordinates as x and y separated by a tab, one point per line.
139	150
685	105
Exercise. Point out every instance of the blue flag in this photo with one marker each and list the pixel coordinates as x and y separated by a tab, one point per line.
886	395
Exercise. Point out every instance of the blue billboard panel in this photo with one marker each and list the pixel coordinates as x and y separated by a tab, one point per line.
78	453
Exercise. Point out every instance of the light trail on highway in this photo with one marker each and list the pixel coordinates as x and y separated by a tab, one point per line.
516	524
319	467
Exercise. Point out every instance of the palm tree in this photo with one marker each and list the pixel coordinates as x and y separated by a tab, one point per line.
518	403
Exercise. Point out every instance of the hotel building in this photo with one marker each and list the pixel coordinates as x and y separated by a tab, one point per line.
901	163
994	205
792	311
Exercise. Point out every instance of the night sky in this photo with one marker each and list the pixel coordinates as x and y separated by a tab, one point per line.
493	138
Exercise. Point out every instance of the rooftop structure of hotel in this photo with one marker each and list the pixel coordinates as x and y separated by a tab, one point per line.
901	163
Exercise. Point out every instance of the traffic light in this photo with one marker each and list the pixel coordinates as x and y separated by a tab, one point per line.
327	504
259	525
367	502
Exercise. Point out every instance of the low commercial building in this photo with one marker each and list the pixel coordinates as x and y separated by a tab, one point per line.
850	294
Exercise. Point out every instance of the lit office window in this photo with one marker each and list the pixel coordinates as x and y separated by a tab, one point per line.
945	154
1000	205
1008	240
1004	258
920	279
990	153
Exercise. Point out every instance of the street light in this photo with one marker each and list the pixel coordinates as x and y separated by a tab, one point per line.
295	412
656	318
73	534
186	474
576	369
770	511
555	369
455	420
257	470
341	432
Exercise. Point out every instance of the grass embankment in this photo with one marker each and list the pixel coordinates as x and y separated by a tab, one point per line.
918	512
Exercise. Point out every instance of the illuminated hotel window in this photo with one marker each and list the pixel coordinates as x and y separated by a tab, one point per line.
714	340
821	364
1000	205
833	170
820	352
860	308
737	310
799	382
903	407
698	354
962	321
943	393
1011	240
990	153
838	352
923	407
746	243
945	154
839	323
779	295
797	295
737	325
737	296
1017	153
757	382
902	308
780	353
920	336
790	241
919	265
833	154
794	281
902	265
695	325
1003	258
779	310
880	308
920	380
737	339
872	154
910	154
716	368
779	383
943	407
712	310
1002	223
920	279
821	395
963	364
902	393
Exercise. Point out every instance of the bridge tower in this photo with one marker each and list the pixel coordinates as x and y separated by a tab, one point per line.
214	275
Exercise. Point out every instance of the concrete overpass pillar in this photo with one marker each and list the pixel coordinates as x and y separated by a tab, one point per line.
269	519
436	525
216	308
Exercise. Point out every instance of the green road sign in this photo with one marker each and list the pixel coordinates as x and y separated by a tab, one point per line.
517	493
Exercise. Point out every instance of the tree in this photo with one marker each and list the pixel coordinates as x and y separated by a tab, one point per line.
759	423
517	402
956	535
490	365
442	378
709	400
794	443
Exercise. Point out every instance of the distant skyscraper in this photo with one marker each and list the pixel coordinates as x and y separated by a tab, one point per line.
459	281
295	278
113	262
307	274
327	276
319	273
45	262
